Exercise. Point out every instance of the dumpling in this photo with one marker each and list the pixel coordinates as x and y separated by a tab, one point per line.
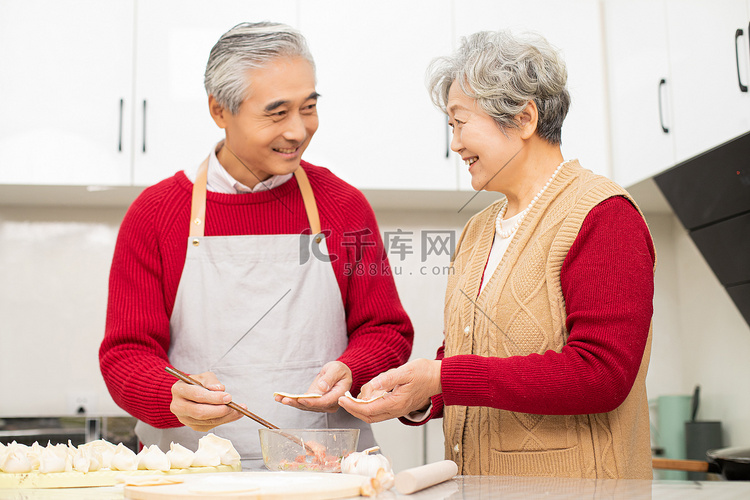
51	460
59	449
34	453
104	450
206	457
86	460
16	459
212	446
152	458
179	456
124	458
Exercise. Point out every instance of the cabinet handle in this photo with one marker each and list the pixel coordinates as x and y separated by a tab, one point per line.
737	34
447	138
144	126
662	83
119	132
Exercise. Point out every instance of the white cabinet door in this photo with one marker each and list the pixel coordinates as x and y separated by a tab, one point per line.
173	128
65	92
378	127
708	65
575	28
639	89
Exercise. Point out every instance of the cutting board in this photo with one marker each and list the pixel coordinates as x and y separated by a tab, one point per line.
102	477
254	485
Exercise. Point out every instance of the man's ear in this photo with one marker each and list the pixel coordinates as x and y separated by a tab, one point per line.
218	112
527	120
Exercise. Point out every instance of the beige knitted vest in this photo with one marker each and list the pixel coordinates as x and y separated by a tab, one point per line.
522	311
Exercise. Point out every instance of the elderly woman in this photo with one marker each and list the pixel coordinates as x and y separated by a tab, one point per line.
548	308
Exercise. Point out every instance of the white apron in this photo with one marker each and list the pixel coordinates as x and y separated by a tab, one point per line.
285	301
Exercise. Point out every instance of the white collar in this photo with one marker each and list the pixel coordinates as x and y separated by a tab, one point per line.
219	180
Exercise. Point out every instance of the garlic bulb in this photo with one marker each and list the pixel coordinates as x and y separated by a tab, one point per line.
152	458
124	458
179	456
364	464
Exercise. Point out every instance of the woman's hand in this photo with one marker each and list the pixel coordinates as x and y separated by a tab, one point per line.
334	379
201	408
407	388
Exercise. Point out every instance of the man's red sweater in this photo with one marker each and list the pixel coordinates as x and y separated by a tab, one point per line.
608	286
150	254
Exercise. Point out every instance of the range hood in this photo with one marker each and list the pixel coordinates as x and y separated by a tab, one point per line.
710	194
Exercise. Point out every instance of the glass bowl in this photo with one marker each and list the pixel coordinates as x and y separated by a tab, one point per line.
283	449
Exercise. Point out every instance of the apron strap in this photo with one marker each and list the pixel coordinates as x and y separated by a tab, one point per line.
309	199
198	205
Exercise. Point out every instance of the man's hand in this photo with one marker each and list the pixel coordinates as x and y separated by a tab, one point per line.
202	409
407	388
334	379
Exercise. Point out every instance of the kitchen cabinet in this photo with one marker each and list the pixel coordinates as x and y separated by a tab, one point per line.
676	73
708	44
144	114
639	82
65	92
378	127
173	129
111	93
575	28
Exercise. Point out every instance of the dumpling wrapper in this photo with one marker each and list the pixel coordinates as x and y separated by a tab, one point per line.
357	400
297	396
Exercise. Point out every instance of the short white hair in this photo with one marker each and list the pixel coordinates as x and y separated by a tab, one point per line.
245	47
503	72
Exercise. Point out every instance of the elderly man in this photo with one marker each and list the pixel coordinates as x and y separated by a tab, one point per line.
245	272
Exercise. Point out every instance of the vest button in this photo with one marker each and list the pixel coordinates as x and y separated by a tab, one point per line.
456	448
467	329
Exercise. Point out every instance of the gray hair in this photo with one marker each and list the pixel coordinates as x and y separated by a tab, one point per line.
245	47
503	72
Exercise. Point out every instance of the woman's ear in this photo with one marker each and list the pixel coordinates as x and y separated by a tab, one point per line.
528	120
218	112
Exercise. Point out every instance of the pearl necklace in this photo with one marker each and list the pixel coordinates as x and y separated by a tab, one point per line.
511	231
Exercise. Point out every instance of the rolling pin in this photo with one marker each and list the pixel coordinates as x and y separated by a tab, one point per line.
419	478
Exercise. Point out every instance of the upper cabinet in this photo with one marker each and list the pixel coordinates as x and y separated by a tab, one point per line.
708	43
66	92
575	28
639	81
111	93
678	78
378	127
173	129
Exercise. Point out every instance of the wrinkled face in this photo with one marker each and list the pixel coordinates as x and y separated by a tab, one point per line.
276	121
483	146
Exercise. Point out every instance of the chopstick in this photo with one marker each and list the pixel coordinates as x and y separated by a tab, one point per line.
189	380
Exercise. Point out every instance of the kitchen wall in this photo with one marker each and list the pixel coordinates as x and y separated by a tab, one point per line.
55	263
699	335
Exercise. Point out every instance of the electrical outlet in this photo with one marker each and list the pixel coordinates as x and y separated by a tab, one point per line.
81	403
